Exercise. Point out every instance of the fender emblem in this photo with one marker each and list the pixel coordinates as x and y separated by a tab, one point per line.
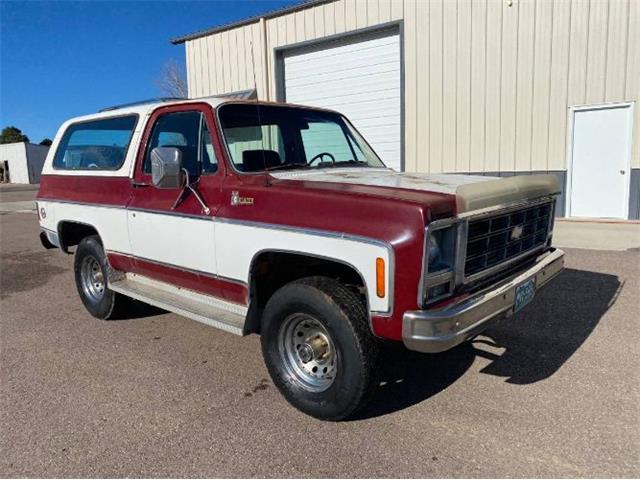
236	199
516	232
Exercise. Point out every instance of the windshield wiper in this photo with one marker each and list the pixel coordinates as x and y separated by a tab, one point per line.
287	166
342	163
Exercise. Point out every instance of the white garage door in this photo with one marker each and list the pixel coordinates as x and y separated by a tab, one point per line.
360	79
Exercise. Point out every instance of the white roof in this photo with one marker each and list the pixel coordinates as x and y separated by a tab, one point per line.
143	109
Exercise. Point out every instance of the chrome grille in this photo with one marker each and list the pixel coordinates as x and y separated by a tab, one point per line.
500	238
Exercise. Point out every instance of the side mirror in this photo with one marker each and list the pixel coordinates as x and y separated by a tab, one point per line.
166	167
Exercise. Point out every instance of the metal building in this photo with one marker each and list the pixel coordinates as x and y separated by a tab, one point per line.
498	87
21	162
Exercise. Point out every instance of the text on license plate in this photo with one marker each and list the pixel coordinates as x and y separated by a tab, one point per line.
524	294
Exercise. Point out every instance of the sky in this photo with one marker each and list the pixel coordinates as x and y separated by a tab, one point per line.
67	58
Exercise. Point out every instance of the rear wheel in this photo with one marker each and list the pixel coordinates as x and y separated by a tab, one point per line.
91	270
318	347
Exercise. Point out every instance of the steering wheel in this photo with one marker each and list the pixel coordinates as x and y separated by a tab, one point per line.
92	166
320	155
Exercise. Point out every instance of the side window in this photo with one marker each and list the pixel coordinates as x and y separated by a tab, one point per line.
95	145
207	153
182	131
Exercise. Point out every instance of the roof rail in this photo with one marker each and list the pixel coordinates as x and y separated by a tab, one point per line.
142	102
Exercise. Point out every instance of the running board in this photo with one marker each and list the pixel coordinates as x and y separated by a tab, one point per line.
187	303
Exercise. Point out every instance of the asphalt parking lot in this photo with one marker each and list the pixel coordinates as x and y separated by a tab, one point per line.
554	392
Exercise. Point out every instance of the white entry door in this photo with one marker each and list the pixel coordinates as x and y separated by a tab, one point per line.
599	172
357	77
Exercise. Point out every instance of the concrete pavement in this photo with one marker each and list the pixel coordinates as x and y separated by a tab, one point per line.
597	235
554	392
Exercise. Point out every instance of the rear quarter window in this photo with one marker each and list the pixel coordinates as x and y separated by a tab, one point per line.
96	144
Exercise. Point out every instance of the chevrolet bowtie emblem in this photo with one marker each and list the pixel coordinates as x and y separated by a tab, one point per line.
236	199
516	232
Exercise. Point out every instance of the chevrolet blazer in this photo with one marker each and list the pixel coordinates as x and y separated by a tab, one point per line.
281	220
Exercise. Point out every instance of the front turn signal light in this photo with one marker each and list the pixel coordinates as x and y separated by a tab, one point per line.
380	278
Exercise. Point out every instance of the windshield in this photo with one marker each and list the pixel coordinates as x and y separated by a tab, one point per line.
280	137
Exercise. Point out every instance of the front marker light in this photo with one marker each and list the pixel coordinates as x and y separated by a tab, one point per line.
381	289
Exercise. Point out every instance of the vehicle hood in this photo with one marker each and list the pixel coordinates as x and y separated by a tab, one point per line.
472	192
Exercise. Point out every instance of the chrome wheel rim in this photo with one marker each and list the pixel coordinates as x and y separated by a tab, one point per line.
308	352
92	279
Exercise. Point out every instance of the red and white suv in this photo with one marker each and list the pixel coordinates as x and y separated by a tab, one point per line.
281	220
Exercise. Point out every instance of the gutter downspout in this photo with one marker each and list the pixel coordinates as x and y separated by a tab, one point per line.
265	58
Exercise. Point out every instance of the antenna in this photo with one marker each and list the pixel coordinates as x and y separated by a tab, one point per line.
267	181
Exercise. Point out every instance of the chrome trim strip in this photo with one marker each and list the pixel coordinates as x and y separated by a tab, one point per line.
130	209
505	207
177	267
84	204
461	253
171	213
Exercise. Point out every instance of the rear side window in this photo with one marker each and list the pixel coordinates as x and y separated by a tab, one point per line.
95	145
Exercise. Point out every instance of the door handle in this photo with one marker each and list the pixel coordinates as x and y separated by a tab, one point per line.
622	172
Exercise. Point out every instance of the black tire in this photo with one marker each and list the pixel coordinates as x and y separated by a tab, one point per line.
100	301
342	315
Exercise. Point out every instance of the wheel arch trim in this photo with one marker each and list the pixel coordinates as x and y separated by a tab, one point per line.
61	223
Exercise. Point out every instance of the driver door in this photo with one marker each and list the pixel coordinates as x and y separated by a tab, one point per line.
172	238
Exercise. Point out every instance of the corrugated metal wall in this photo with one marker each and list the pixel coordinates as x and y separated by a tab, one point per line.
487	82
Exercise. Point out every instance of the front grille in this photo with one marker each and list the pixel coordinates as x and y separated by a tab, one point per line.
494	240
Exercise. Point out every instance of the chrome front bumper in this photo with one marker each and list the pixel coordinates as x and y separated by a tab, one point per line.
437	330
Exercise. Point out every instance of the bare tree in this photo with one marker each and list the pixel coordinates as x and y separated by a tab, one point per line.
171	81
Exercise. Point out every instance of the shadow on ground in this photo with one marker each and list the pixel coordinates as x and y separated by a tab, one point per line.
535	344
135	309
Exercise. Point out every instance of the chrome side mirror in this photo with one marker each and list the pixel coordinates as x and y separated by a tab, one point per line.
166	167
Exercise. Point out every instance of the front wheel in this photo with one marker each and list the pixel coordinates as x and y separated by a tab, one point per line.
318	347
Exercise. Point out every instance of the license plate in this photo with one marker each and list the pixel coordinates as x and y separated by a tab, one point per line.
524	294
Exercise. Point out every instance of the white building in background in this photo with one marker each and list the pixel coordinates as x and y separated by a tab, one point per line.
495	87
22	162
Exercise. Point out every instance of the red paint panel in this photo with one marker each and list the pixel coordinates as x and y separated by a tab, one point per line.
229	290
123	263
85	189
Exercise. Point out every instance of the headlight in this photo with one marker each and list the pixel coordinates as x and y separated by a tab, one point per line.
439	277
441	249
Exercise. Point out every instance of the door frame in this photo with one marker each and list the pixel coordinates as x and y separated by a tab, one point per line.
570	140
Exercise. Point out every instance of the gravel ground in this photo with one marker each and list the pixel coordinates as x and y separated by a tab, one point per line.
553	392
